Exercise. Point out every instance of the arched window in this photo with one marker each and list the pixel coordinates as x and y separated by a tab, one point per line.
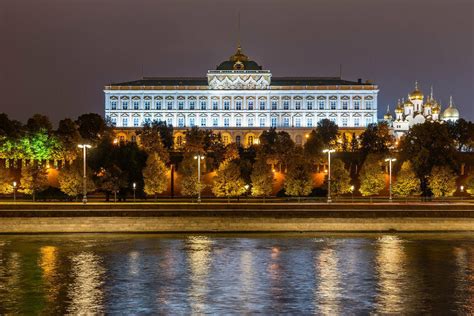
298	140
237	140
250	140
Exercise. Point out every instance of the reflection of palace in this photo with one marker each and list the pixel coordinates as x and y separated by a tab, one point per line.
415	111
240	100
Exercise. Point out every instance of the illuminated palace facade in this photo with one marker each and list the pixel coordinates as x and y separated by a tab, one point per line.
240	100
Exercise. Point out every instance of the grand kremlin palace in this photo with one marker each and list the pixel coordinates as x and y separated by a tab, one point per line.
240	100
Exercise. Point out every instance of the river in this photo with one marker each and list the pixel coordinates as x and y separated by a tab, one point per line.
324	274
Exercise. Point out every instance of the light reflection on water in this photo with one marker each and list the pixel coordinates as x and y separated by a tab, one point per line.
240	274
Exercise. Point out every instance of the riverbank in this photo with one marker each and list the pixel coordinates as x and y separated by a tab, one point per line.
223	217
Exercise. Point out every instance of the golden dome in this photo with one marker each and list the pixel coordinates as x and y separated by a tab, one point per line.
238	56
435	110
388	116
416	94
408	103
451	113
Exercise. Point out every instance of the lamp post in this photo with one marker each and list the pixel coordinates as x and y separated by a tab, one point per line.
84	148
134	185
329	151
390	160
198	157
352	193
14	191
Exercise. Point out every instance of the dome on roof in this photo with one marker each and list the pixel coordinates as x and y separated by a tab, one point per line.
451	113
416	94
239	61
388	116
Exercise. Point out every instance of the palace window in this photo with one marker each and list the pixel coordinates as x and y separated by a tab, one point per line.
114	121
226	122
147	105
298	140
298	122
286	105
309	105
250	122
356	105
237	140
169	122
180	105
158	105
298	105
124	105
135	122
147	121
225	139
274	105
125	122
203	122
286	122
368	121
215	105
333	105
170	105
250	104
345	105
113	104
344	121
274	122
192	105
238	122
179	140
203	105
226	105
368	105
215	121
321	104
333	119
309	122
356	122
262	105
262	122
181	122
192	122
250	140
238	105
136	105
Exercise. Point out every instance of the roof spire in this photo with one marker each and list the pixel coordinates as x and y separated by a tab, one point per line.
431	93
416	85
388	108
238	31
450	101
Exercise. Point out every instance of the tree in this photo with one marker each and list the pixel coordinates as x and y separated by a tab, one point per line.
154	175
92	127
228	181
166	133
442	181
9	128
189	181
110	180
39	122
345	143
407	183
6	181
376	139
71	179
298	179
196	140
462	132
151	142
354	145
470	184
262	178
328	131
371	177
313	147
340	178
69	138
34	178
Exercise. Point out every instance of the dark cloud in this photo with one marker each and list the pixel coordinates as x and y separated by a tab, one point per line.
57	55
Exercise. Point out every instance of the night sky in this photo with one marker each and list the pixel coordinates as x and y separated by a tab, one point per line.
56	55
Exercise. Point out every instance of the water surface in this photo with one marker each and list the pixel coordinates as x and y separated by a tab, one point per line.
237	274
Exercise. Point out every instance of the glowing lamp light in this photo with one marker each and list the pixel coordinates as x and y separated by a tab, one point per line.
462	188
14	184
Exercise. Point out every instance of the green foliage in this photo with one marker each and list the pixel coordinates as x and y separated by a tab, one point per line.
69	138
189	178
152	141
340	178
276	146
154	175
34	178
462	132
298	178
39	122
262	178
71	179
442	181
376	139
196	140
92	127
228	181
313	147
328	131
407	182
344	143
470	185
6	181
354	145
371	177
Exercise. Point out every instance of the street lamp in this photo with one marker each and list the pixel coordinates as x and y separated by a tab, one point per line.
352	192
390	160
134	185
14	191
84	148
199	157
329	151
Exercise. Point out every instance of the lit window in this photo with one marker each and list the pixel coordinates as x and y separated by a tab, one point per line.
237	140
250	140
203	105
203	121
238	122
286	105
147	105
368	121
113	105
114	121
298	122
170	105
134	139
192	105
238	105
274	121
226	122
356	122
274	105
262	105
226	105
169	122
309	122
135	122
298	105
345	105
125	105
158	105
250	105
333	105
286	122
215	105
180	105
356	105
344	121
321	104
225	139
125	122
250	122
191	122
262	122
181	122
309	105
215	121
136	105
368	105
